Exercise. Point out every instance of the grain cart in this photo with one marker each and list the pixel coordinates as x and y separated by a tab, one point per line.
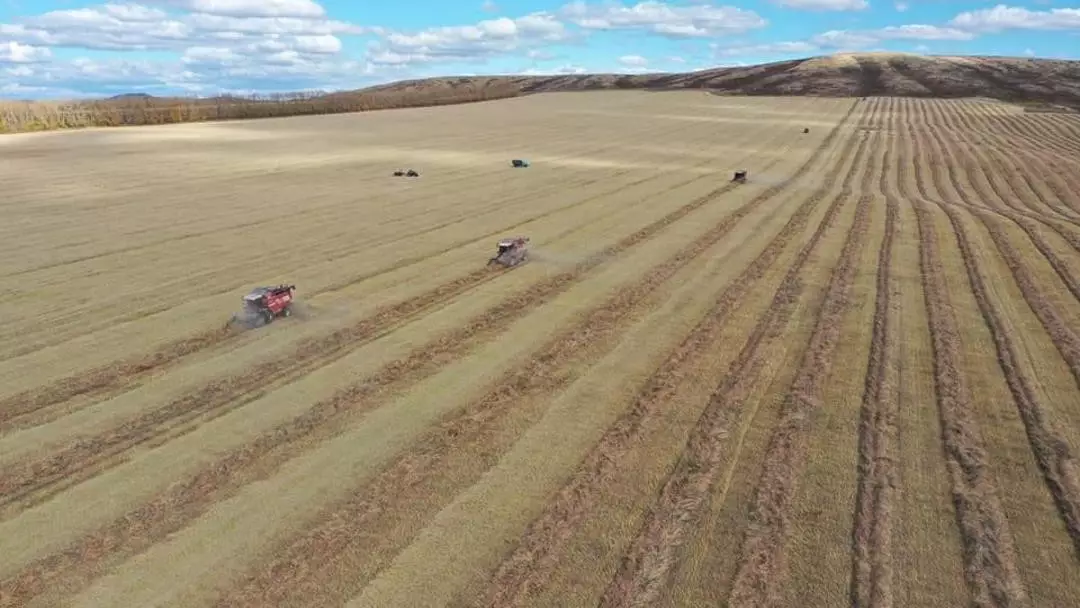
511	252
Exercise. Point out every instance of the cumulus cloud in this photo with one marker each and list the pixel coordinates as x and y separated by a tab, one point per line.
255	45
633	61
13	52
854	39
834	40
469	42
556	71
670	20
765	50
1002	17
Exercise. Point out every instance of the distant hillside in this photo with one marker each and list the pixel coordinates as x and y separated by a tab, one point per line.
1041	84
843	75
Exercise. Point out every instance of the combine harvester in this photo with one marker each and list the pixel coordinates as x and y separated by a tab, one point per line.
511	252
264	304
518	163
740	177
409	173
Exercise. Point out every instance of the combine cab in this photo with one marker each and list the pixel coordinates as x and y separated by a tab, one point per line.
511	252
264	304
740	177
518	163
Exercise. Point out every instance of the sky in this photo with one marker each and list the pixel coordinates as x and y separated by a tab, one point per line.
72	49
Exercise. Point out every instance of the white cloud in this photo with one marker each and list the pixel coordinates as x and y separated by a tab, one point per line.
764	50
304	9
825	5
1002	17
853	39
247	45
479	41
489	7
633	61
901	7
557	71
13	52
664	19
846	40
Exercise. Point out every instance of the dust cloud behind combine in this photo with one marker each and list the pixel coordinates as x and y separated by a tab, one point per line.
849	381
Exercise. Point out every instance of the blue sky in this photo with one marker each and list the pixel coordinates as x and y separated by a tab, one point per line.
71	48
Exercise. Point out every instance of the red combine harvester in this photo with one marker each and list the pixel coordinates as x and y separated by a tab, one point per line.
264	304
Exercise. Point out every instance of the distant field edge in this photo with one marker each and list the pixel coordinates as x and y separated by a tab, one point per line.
1033	84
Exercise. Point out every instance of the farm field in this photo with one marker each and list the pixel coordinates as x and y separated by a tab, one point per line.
853	380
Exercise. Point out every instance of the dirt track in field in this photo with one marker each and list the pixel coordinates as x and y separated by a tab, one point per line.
850	381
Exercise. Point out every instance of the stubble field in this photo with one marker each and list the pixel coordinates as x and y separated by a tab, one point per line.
853	380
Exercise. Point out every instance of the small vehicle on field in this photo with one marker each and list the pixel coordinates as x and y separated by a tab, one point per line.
740	177
511	252
264	304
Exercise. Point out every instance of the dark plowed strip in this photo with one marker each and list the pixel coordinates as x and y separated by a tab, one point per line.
872	555
536	556
89	557
760	570
989	551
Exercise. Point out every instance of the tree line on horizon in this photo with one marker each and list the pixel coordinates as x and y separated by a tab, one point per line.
29	116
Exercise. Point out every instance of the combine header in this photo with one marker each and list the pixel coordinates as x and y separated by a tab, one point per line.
511	252
264	304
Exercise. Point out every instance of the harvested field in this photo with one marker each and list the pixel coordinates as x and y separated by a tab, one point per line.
852	380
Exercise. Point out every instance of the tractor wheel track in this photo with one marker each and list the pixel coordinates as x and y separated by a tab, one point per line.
108	379
159	305
349	401
531	563
279	580
34	480
464	175
14	414
761	568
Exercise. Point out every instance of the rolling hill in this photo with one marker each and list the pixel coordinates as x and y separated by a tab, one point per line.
841	75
